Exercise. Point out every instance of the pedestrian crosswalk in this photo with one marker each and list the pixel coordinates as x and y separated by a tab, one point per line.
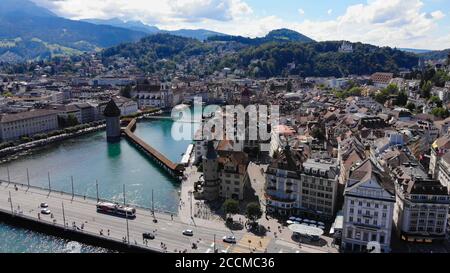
251	243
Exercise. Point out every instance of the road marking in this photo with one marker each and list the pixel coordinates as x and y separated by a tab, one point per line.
208	250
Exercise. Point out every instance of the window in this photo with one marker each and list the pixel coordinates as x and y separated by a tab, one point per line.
374	237
365	237
349	233
382	238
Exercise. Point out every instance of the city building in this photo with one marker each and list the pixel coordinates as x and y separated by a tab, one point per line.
444	171
127	106
381	80
421	208
295	186
233	175
153	94
346	47
14	126
440	147
369	199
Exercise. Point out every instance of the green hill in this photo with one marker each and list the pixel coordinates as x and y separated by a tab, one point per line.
279	35
318	59
266	60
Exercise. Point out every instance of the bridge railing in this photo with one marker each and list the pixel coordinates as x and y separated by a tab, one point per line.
63	226
86	196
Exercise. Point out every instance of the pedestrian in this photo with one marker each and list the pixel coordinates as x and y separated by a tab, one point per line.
108	232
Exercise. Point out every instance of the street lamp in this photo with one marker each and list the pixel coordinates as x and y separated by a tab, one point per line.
190	197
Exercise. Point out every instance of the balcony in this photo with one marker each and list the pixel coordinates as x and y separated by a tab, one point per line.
279	199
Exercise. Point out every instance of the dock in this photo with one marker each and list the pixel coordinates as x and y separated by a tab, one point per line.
174	169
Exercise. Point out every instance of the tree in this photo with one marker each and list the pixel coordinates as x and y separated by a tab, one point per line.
440	112
230	206
126	91
71	120
392	89
402	99
318	133
426	89
411	106
383	95
253	212
272	87
289	86
436	101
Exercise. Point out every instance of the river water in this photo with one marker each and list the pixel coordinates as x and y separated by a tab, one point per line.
90	158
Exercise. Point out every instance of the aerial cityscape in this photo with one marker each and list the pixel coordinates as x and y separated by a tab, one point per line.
224	126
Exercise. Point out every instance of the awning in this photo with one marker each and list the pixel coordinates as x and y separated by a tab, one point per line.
306	230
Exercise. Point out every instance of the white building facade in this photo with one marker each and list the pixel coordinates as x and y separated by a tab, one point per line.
369	199
14	126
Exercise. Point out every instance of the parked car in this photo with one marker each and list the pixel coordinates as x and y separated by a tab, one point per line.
188	232
44	205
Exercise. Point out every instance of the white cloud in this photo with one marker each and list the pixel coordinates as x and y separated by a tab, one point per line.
329	12
396	23
438	14
150	11
400	23
301	11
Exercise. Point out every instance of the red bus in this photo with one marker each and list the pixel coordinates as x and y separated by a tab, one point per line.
116	209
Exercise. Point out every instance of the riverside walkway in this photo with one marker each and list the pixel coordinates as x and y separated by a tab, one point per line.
20	204
172	168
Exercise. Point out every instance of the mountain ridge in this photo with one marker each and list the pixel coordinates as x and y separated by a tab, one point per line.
28	30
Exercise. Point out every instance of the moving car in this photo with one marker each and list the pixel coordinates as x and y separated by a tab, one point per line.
229	239
46	211
148	235
188	232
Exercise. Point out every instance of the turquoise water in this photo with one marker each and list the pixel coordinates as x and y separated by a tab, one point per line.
90	158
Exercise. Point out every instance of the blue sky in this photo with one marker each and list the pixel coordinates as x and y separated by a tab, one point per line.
397	23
